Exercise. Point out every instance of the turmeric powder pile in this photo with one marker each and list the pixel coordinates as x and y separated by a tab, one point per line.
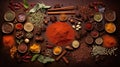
110	27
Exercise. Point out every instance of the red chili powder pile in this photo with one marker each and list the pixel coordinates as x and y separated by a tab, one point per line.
8	41
60	33
109	41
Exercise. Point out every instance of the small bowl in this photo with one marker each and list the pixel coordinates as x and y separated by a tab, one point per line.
22	48
57	50
94	34
110	15
98	17
99	41
63	17
88	26
21	17
7	27
28	27
75	44
89	40
29	35
99	26
19	34
19	26
110	27
9	16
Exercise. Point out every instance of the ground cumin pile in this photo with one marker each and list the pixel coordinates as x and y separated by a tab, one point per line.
60	33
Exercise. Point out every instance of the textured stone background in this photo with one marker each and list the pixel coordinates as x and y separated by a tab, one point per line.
85	61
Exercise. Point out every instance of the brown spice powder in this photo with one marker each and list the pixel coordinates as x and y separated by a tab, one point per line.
81	54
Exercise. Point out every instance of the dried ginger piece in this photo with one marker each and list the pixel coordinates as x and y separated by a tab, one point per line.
13	50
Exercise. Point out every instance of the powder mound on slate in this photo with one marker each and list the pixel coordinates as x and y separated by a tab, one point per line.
60	33
82	53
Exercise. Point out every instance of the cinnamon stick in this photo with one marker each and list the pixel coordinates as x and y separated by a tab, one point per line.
62	8
65	59
61	12
61	55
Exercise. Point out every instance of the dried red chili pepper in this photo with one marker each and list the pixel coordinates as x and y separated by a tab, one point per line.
49	46
96	8
11	8
21	4
14	6
26	60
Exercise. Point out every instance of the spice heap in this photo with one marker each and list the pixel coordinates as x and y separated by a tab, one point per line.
99	50
81	54
60	33
8	41
35	48
109	41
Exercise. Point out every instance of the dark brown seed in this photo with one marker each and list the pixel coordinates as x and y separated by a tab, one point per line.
53	18
46	21
99	26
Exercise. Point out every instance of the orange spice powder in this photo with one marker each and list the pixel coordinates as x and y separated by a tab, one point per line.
60	33
109	41
8	41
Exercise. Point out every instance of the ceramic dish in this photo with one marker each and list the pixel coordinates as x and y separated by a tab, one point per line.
100	26
110	27
21	17
63	17
19	26
98	17
7	28
75	44
22	48
9	16
28	27
110	15
29	35
99	41
19	34
88	26
89	40
57	50
94	34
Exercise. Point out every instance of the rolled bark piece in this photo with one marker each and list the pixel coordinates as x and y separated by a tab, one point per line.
61	12
62	8
61	55
69	48
65	59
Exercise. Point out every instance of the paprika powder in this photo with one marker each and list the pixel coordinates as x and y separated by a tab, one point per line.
109	41
60	33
